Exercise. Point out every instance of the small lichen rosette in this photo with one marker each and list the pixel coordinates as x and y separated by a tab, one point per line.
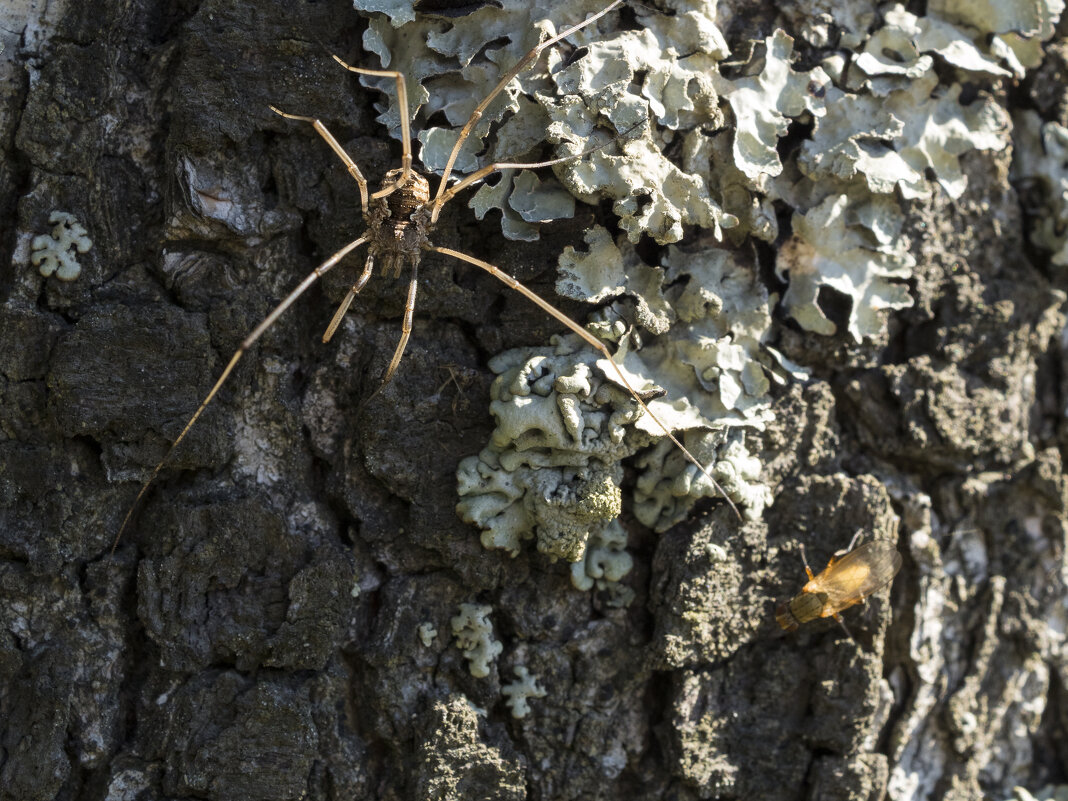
55	252
473	632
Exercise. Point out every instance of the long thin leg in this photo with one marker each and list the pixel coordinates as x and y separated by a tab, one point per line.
402	108
482	172
804	559
547	307
344	307
257	332
852	543
354	171
527	61
843	625
406	331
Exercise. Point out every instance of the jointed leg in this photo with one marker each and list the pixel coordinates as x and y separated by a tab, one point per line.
482	172
406	331
528	60
853	542
402	108
804	559
843	625
344	307
354	171
257	332
547	307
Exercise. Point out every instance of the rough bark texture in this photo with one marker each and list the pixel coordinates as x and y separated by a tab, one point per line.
255	636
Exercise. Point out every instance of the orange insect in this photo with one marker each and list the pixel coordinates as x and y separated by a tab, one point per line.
845	581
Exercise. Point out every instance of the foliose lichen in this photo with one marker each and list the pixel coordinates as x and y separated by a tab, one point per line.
474	636
565	421
427	633
518	692
661	125
1041	162
55	252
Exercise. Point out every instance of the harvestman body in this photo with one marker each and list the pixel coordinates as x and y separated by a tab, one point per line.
400	217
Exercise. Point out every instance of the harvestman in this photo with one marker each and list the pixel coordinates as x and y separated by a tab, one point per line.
400	217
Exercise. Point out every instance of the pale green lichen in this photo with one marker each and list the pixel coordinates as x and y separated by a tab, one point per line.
855	248
1016	29
605	563
654	127
896	125
668	486
853	142
938	129
1041	160
606	272
474	637
449	65
519	692
1035	18
427	633
865	135
55	252
961	47
624	100
635	89
564	417
763	105
551	469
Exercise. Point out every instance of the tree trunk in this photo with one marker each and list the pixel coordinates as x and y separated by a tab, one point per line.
277	621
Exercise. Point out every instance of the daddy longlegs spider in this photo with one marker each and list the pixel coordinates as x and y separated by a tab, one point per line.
400	217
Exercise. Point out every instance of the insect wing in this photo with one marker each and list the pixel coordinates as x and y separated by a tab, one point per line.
857	575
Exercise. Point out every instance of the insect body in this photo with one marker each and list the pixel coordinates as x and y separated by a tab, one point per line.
845	581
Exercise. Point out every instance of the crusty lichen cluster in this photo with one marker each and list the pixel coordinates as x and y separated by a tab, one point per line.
682	132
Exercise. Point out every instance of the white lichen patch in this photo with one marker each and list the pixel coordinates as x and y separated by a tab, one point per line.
938	129
629	95
551	469
565	419
450	64
668	485
763	104
474	636
427	633
1030	18
519	692
636	89
55	252
854	249
605	563
962	47
854	143
607	271
1041	160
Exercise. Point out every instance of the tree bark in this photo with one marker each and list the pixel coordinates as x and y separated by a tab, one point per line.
260	630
